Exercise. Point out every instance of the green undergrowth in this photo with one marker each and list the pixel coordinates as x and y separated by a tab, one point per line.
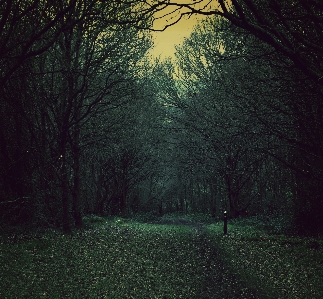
176	256
153	218
116	258
279	266
197	217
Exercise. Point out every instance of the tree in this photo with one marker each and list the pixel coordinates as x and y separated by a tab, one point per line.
74	64
291	31
211	101
125	159
284	25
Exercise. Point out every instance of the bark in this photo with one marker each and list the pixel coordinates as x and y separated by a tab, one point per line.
77	214
213	197
65	196
5	163
123	199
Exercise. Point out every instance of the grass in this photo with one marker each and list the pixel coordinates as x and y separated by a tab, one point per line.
116	258
197	217
121	258
279	266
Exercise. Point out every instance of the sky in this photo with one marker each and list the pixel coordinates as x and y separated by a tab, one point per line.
174	35
165	41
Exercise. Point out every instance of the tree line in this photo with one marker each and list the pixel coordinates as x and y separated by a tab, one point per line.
71	92
89	124
246	93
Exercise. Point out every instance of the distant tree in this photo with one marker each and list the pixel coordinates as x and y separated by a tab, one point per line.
213	111
125	158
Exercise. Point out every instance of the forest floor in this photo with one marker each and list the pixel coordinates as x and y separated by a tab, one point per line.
173	257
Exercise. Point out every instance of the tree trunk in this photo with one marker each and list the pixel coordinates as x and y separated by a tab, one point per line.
232	198
65	196
308	213
213	196
77	214
64	182
123	198
5	165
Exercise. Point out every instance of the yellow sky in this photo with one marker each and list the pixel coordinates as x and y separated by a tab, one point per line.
164	42
174	35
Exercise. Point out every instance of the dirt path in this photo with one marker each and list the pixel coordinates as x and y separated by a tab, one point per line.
219	279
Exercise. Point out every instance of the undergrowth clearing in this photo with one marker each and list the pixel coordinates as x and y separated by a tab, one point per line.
117	259
176	256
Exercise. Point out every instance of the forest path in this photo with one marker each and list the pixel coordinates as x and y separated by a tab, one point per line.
181	221
219	281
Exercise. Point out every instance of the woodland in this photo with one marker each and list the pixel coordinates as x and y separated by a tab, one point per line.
116	168
90	125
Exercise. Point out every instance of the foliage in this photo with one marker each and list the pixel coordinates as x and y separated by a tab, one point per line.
145	217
